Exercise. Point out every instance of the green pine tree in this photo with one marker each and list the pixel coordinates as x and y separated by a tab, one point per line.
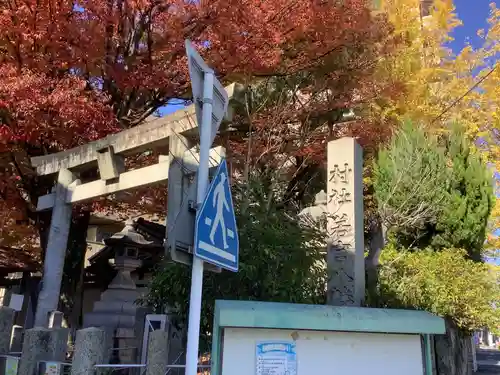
410	176
469	198
433	192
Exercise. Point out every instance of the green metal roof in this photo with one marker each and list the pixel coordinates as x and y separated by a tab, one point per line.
325	318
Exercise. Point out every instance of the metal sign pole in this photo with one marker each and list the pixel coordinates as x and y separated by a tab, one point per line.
197	270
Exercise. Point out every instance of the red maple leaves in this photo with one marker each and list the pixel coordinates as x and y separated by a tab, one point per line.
71	71
55	112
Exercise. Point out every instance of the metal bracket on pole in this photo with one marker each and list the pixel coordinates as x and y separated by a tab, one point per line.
181	203
192	206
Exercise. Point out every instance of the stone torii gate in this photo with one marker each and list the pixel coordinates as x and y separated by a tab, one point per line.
107	154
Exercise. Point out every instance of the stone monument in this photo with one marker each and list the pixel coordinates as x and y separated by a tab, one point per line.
345	259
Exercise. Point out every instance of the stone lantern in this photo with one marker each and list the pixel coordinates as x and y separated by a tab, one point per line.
318	210
117	311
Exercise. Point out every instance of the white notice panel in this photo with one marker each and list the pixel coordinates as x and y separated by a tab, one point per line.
314	352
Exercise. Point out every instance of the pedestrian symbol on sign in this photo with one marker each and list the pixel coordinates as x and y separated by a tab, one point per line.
216	236
220	202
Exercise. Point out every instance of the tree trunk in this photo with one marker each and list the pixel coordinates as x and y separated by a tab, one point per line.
453	350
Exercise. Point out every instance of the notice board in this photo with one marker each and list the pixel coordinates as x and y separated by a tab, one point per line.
311	352
267	338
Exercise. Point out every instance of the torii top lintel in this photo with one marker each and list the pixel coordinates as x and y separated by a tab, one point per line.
142	137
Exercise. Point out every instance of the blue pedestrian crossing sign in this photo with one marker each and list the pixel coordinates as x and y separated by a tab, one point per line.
215	234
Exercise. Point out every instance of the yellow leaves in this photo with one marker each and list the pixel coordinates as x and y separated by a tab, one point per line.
431	77
494	22
434	82
444	17
444	283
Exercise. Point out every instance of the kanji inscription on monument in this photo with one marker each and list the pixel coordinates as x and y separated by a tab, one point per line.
346	274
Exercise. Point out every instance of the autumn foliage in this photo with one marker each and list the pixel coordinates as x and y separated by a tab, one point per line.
74	71
440	86
74	66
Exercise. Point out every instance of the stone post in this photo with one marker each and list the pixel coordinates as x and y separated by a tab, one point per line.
53	265
90	349
157	361
42	344
345	260
6	323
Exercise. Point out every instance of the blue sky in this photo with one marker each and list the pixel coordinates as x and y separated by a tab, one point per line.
474	14
173	106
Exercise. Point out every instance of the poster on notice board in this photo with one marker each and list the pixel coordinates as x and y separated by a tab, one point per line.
11	364
276	358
